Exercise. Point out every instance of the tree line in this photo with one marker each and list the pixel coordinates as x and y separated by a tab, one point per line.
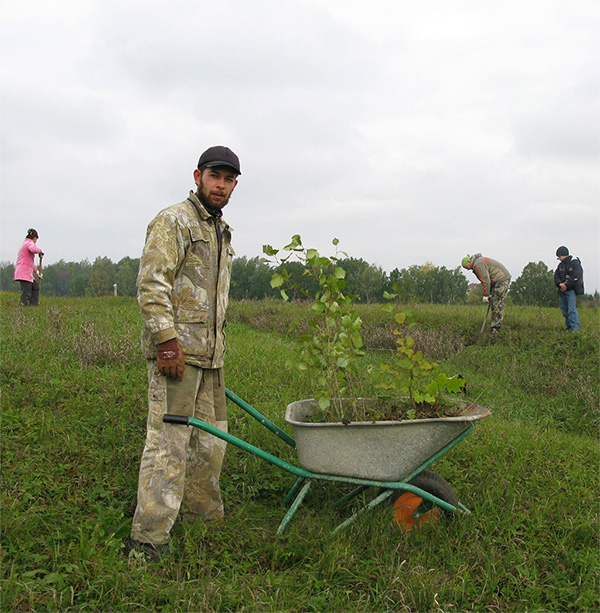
81	278
251	280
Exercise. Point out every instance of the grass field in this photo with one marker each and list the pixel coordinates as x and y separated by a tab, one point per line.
73	426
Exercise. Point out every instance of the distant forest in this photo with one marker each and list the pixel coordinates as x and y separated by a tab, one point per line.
251	278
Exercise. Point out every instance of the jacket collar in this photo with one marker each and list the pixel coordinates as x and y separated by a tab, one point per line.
202	212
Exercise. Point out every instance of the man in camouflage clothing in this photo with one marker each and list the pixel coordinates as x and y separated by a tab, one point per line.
183	288
495	280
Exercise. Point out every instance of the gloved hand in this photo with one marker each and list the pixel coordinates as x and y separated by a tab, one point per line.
486	298
171	361
40	275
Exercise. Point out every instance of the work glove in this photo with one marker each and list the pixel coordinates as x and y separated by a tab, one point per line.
171	361
486	298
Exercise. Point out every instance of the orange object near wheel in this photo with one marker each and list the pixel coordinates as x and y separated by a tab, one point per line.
405	509
412	511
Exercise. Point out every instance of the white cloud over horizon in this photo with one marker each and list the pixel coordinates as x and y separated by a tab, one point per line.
412	132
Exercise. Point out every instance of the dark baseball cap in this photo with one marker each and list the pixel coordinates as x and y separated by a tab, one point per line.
219	156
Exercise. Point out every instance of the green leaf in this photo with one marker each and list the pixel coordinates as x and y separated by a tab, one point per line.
268	250
400	317
277	280
357	340
324	403
296	242
452	384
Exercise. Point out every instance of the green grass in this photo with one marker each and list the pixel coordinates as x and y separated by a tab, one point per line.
73	426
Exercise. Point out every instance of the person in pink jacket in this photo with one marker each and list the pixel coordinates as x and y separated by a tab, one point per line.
25	267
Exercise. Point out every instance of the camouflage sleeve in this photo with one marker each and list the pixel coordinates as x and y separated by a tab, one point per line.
164	251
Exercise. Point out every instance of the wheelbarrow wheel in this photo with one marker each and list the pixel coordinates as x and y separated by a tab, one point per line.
412	511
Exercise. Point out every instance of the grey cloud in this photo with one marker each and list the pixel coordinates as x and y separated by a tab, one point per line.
558	134
256	46
410	136
564	124
55	119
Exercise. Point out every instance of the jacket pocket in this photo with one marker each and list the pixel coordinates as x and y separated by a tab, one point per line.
193	337
200	256
186	316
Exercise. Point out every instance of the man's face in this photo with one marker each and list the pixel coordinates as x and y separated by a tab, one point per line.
215	185
468	265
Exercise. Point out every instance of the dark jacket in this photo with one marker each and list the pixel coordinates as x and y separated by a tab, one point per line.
569	271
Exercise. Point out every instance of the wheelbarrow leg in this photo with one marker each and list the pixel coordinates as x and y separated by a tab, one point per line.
294	507
350	495
377	500
292	493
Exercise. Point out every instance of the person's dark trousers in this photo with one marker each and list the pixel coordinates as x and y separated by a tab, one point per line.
30	293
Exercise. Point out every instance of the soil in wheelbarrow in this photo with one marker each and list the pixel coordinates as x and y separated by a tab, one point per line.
382	410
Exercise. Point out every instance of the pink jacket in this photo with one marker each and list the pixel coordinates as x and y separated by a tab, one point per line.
24	268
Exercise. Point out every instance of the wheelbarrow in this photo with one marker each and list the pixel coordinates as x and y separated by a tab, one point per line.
417	494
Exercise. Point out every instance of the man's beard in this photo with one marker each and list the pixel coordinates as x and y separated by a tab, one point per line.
211	208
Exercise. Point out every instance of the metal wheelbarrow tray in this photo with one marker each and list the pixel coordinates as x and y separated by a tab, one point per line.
398	453
381	450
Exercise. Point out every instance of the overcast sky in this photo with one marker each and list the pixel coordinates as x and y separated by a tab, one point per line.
412	131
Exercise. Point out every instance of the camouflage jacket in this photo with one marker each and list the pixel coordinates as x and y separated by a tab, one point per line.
489	271
183	284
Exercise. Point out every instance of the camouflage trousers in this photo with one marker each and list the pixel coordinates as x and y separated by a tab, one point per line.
180	465
498	302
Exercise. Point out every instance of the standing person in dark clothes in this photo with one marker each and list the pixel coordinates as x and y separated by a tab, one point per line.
568	278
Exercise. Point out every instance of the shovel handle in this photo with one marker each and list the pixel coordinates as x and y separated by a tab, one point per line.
486	317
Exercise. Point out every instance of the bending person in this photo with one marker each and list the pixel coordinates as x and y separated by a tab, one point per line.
495	280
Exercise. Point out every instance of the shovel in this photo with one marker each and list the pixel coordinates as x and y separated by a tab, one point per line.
486	317
40	274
